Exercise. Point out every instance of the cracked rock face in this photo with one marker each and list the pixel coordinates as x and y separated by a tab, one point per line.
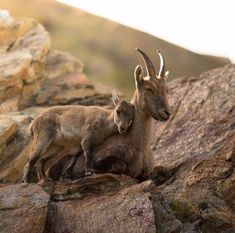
203	117
33	74
24	46
101	203
23	208
198	144
126	210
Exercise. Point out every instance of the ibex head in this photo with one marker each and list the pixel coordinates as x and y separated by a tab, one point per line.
123	113
152	89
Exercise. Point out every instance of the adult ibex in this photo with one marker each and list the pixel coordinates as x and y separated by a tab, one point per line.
76	127
130	153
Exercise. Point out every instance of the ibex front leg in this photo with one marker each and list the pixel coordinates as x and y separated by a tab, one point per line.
86	146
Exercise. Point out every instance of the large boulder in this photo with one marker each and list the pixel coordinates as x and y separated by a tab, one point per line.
33	74
101	203
14	146
203	117
24	46
23	208
109	204
64	83
198	144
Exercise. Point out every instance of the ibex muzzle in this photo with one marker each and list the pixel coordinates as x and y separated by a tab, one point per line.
123	114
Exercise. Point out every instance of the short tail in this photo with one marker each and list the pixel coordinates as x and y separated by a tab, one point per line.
30	130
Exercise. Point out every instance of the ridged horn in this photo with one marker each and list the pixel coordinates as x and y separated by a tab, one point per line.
162	66
148	64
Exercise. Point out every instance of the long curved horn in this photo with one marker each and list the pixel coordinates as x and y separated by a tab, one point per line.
162	66
148	64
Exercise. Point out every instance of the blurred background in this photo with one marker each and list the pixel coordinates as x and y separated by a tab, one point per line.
103	34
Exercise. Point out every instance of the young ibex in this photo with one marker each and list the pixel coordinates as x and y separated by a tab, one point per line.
76	127
131	151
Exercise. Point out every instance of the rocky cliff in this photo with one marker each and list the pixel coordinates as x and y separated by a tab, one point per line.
192	188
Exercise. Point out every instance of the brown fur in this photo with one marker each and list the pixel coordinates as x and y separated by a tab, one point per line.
76	127
131	151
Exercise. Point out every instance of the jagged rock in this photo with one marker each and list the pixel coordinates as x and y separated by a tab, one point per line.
61	63
35	41
203	116
25	45
12	29
14	148
32	74
8	128
23	208
129	210
66	84
100	203
13	66
199	141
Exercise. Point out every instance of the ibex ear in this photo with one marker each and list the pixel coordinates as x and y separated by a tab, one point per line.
115	98
139	76
166	74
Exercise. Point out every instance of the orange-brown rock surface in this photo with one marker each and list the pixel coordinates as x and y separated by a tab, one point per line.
101	203
23	208
33	74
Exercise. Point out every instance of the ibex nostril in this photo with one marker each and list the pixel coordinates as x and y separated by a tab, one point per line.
123	129
167	113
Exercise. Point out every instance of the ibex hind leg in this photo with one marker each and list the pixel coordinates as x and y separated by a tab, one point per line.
39	147
75	154
51	152
86	147
111	160
118	167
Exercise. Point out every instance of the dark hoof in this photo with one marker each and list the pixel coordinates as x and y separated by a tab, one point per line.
25	181
66	178
49	179
89	172
45	180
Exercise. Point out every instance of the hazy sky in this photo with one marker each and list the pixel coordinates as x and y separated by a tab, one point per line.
203	26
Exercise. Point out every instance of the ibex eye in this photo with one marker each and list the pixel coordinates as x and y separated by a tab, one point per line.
150	90
118	112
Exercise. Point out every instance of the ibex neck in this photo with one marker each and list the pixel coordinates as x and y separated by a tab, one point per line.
111	116
110	120
142	121
136	103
